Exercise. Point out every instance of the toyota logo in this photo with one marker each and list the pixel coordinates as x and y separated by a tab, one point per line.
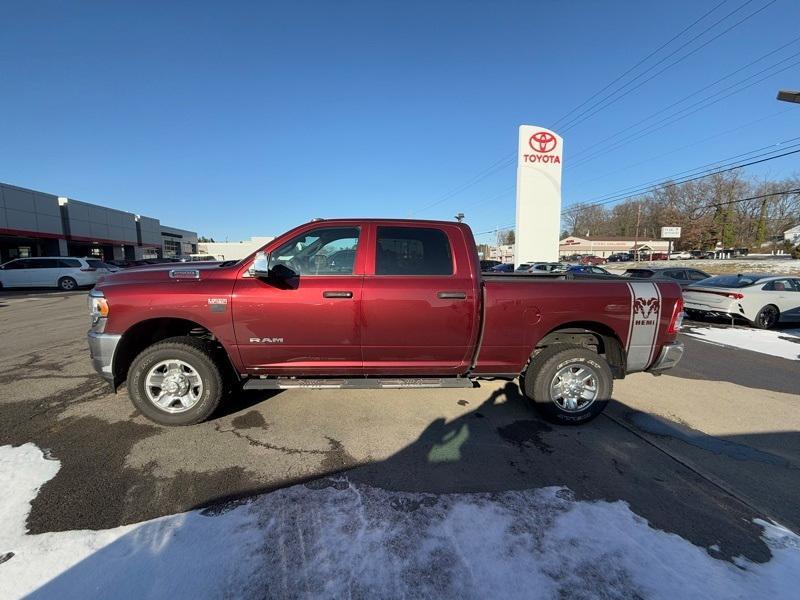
543	142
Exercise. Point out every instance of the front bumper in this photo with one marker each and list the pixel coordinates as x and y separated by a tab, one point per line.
670	356
101	349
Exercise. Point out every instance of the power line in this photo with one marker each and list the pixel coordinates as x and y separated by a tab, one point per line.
509	159
700	90
600	106
712	166
689	145
673	184
642	61
784	192
675	117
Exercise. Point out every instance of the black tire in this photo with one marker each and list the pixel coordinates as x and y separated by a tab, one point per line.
542	371
200	357
67	284
767	317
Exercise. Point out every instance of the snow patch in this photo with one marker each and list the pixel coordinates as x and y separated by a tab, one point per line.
782	343
333	538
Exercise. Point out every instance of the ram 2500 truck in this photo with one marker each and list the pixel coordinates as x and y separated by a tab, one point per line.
368	303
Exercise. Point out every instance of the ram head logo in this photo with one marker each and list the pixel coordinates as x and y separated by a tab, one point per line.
645	307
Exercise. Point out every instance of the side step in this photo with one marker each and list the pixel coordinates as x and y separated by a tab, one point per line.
285	383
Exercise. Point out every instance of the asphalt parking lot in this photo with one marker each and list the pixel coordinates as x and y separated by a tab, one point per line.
700	452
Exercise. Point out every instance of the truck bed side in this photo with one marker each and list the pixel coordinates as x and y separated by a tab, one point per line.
521	313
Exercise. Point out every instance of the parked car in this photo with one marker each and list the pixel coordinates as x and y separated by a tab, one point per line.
588	269
658	256
684	277
503	268
593	260
620	257
762	300
486	265
64	272
547	267
523	268
682	255
411	311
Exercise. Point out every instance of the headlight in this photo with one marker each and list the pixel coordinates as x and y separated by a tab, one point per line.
98	306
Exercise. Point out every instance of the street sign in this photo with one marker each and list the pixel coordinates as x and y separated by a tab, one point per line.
670	232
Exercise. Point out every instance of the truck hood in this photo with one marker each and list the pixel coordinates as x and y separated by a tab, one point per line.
155	273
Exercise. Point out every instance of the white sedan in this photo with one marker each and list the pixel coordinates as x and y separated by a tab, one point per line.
763	300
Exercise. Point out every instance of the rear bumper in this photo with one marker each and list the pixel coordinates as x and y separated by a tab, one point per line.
670	356
101	349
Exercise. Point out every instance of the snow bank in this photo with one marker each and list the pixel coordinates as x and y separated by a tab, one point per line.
784	344
333	538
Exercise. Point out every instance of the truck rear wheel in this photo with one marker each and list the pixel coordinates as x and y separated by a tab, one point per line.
568	385
176	382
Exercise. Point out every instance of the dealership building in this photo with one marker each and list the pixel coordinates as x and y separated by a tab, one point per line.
35	223
606	246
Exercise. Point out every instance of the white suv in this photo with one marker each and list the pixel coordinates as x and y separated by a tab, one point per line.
64	272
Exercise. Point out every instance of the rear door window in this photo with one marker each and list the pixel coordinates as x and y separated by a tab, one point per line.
696	275
413	251
42	263
676	274
71	263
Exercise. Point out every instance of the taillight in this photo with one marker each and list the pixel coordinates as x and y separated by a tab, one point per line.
735	296
677	318
88	269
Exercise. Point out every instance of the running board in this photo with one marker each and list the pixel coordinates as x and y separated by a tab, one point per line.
285	383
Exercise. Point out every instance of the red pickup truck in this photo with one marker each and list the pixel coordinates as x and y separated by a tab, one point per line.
370	303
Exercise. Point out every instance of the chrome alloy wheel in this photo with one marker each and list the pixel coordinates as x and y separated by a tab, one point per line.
574	387
173	386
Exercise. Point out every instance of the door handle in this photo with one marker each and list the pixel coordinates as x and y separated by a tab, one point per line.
452	295
337	294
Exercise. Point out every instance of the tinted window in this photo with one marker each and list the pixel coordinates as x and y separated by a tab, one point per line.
72	263
413	251
675	274
696	275
779	285
732	281
323	251
42	263
638	273
16	264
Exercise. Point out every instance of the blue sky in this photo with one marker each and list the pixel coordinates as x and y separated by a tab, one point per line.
238	119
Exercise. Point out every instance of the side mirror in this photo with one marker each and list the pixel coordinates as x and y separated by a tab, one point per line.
260	266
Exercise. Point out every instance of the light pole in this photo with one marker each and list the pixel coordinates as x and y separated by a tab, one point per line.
789	96
459	217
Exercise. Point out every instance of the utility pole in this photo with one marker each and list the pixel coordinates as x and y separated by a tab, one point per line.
459	217
636	235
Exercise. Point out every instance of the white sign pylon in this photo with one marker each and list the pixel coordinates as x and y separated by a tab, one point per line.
540	154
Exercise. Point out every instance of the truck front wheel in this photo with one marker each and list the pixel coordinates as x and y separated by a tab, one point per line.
568	385
176	381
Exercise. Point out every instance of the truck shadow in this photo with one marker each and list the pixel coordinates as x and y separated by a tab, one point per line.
502	446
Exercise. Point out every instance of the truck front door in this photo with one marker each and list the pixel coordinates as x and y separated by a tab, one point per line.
419	302
306	320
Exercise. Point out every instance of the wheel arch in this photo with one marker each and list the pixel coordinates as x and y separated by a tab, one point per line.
589	334
150	331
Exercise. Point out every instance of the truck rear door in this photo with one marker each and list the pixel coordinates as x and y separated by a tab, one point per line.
420	301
